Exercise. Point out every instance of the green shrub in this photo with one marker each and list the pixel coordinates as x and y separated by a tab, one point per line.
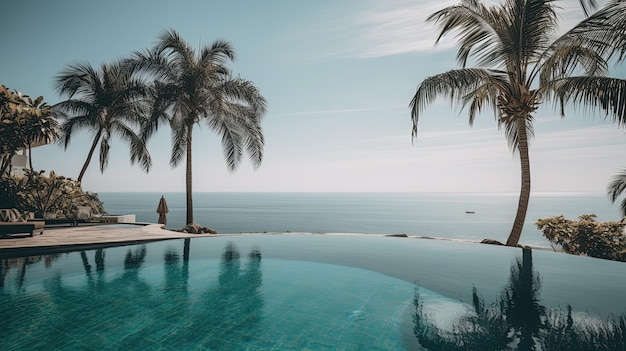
43	195
586	236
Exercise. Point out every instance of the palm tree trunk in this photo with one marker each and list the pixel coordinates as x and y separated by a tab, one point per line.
89	155
524	195
30	156
188	177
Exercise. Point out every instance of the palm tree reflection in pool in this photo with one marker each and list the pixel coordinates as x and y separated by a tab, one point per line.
229	311
127	310
517	321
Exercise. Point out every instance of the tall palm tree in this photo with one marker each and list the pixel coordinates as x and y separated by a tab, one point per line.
520	63
194	87
109	102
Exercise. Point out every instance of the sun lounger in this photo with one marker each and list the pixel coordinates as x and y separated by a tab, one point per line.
83	215
11	222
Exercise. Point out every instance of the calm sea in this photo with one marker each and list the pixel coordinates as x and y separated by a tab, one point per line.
425	214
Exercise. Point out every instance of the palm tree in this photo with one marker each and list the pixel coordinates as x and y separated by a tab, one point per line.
519	65
109	103
44	129
194	87
25	122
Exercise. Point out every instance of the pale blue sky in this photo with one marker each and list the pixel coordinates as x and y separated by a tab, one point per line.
338	76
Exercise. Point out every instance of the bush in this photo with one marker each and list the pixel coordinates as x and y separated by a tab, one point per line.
586	236
23	122
44	195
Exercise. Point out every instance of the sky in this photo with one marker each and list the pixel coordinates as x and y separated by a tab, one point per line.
338	77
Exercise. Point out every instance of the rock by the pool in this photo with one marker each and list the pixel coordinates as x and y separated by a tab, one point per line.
195	228
491	242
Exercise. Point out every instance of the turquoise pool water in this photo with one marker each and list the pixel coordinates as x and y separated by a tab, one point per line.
275	292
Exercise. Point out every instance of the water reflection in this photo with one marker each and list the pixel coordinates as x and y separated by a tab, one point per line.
21	264
232	309
135	258
131	308
518	321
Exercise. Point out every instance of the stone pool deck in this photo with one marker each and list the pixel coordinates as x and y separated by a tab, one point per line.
87	236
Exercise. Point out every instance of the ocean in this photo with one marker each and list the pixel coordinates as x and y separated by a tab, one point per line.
425	214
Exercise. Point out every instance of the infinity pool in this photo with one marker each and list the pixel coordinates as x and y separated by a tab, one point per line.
286	292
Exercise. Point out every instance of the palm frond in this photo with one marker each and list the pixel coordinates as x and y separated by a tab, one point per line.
470	22
600	93
533	25
247	122
138	151
604	31
68	108
149	63
77	78
457	86
180	132
481	97
565	56
219	53
244	91
163	97
617	186
226	118
104	152
73	124
232	142
588	5
175	49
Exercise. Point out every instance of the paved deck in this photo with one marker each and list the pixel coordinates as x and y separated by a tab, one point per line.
68	238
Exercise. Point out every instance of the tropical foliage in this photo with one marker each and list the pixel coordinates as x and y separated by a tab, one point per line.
586	236
519	64
194	87
23	122
44	195
616	189
108	102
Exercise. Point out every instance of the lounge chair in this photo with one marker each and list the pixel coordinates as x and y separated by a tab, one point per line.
12	222
83	215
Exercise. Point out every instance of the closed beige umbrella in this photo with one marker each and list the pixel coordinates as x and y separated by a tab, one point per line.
162	210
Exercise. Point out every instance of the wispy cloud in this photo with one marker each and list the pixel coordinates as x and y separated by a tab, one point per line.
589	137
399	26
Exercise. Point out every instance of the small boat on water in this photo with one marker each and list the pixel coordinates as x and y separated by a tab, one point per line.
470	212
